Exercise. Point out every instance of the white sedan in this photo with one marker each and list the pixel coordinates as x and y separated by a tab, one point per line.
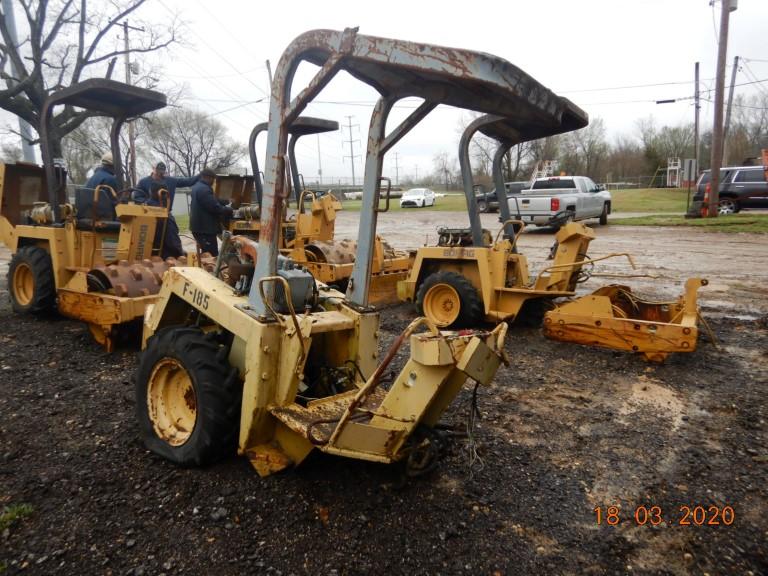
418	198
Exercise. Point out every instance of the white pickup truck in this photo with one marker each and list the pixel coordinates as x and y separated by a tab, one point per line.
557	200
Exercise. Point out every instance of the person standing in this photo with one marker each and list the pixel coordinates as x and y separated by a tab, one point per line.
147	191
158	179
206	212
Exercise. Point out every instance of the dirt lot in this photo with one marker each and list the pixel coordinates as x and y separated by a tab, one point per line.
564	429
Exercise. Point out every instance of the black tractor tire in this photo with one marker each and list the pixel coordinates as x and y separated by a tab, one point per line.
217	396
482	206
34	264
471	309
604	215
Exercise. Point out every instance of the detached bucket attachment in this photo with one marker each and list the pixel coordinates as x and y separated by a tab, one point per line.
613	317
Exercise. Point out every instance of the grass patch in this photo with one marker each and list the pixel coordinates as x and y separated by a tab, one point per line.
654	200
757	223
12	513
182	220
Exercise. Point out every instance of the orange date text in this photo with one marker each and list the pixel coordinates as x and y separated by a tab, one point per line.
648	515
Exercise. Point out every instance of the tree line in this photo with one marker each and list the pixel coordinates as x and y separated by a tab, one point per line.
629	158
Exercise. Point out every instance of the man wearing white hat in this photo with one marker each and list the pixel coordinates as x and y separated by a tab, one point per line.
104	174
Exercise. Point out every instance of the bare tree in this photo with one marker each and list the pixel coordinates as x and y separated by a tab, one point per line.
67	41
625	159
189	141
445	170
515	159
585	149
545	149
748	133
660	144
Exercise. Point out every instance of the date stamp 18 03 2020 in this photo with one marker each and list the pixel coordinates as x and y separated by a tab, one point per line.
684	515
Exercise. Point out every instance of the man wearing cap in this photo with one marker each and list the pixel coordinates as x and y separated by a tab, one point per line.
147	191
157	180
206	212
104	175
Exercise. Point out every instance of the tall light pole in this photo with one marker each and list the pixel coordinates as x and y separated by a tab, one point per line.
717	128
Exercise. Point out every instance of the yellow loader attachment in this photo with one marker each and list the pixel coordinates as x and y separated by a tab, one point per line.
371	423
613	317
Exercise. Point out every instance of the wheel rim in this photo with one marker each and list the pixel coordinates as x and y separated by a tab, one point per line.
172	402
442	304
726	207
23	284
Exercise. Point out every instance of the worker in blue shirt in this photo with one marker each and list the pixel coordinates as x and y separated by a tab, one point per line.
159	176
206	213
148	190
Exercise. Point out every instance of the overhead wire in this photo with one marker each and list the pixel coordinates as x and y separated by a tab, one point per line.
225	90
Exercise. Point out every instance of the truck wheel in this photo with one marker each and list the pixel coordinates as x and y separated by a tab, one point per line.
449	300
187	397
482	206
604	215
30	281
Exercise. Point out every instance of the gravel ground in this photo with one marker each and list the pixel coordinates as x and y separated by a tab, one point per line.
563	430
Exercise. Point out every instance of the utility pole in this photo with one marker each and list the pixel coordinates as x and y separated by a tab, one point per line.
397	169
25	129
269	74
131	172
351	143
717	128
697	109
319	162
728	110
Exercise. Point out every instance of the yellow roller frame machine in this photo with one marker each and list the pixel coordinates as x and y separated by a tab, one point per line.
93	261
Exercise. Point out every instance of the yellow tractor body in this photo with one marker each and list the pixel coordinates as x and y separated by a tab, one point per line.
101	269
273	362
497	279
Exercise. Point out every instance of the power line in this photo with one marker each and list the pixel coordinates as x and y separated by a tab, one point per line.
628	87
185	77
221	56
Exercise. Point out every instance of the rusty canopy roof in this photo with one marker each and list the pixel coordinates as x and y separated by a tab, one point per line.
456	77
306	125
109	97
514	130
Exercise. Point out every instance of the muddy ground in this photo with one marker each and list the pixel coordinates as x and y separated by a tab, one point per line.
563	430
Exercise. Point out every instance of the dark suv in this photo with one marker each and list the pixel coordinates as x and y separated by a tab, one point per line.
741	187
488	202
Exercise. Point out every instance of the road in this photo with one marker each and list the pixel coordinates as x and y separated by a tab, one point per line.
734	264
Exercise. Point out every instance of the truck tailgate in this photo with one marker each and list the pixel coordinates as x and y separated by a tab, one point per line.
530	204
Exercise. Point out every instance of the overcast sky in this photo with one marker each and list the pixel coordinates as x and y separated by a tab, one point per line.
590	51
